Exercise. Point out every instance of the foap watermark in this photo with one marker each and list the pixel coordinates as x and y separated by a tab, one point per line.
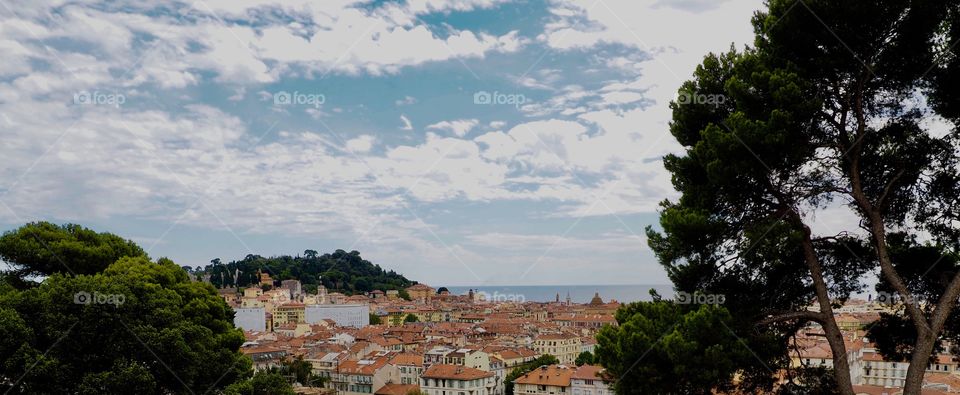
84	297
892	299
98	98
700	298
715	100
297	98
498	98
497	297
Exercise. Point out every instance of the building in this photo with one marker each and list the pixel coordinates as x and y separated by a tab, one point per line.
563	379
470	358
457	380
552	379
363	376
355	315
296	290
264	357
410	367
565	347
326	363
250	319
421	292
265	278
289	313
589	380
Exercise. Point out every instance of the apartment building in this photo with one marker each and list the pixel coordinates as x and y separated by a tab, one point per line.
545	380
563	380
457	380
563	346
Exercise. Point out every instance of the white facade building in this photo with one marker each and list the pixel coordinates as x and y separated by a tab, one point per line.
355	315
251	319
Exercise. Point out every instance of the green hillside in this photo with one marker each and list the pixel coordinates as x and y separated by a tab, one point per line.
340	271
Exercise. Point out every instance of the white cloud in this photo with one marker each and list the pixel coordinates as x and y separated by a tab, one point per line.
406	101
431	6
458	127
406	123
173	45
362	144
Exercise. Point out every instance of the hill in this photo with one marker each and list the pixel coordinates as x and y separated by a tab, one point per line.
340	271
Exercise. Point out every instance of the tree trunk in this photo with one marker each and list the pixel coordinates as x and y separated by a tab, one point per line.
838	348
919	360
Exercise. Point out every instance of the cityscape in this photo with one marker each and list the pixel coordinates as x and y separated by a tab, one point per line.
480	197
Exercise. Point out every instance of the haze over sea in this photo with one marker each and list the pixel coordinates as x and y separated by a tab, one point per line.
578	293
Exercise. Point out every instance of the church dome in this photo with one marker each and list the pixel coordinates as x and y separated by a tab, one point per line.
596	300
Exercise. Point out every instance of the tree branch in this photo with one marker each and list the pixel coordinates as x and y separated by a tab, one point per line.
804	315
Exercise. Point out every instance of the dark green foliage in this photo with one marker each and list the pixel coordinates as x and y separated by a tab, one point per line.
664	347
926	269
820	112
810	381
163	334
43	249
585	358
411	318
117	324
299	369
262	383
375	319
342	271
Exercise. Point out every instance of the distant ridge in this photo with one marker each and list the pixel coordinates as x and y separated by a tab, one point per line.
341	271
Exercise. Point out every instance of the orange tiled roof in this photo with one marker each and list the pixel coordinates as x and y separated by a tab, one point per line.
555	375
455	372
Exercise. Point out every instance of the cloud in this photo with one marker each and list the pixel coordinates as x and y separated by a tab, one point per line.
361	144
406	123
174	45
406	101
691	5
458	127
433	6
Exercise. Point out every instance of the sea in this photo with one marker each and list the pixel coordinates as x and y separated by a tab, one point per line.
578	293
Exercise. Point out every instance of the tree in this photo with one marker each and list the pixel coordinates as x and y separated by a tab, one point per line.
375	319
411	318
135	327
805	122
341	271
299	369
543	360
585	358
262	383
666	347
43	249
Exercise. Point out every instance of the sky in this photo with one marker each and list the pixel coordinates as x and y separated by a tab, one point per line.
470	142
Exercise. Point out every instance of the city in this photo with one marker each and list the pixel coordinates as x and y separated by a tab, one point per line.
480	197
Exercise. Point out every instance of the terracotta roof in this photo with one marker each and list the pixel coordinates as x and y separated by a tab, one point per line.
407	359
555	375
455	372
397	389
365	368
588	372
